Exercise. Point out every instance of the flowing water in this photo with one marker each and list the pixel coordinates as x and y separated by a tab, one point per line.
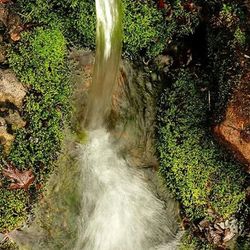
119	212
108	53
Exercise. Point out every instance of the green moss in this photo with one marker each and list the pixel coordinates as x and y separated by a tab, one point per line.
224	67
243	243
13	210
189	242
240	37
8	245
195	169
39	61
146	28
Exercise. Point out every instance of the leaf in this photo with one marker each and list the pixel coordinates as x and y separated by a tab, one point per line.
4	1
21	179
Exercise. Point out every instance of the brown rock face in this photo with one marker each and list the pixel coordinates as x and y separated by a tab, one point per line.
234	131
11	90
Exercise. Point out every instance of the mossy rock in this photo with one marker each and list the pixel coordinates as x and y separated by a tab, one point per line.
195	168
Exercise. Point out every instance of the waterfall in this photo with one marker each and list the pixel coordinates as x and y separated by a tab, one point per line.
118	209
107	58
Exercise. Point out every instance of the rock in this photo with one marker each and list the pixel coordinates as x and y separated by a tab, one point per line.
6	139
2	54
82	57
234	131
2	237
233	226
15	120
11	90
211	212
4	1
14	26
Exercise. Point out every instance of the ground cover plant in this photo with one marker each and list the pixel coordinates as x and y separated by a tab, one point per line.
39	61
195	168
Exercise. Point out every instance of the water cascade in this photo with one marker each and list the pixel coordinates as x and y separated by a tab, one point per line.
107	58
118	210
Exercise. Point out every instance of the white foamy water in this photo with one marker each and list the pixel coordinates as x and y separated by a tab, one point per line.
119	212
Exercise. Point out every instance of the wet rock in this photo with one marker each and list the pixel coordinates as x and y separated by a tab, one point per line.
11	90
15	120
82	57
133	115
133	109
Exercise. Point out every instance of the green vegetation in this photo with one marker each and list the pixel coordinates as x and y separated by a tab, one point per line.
240	37
147	30
188	242
9	245
195	169
13	209
55	218
39	61
225	38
